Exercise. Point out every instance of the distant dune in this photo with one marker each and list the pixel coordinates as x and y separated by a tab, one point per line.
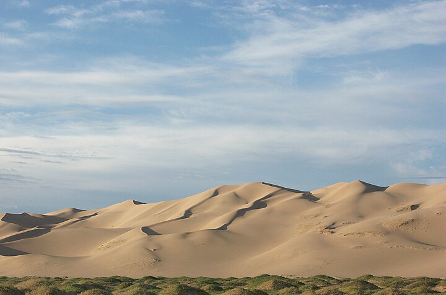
346	229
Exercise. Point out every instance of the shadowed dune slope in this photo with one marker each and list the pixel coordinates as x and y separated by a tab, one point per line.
346	229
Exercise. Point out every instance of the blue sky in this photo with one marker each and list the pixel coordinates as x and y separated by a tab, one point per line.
107	100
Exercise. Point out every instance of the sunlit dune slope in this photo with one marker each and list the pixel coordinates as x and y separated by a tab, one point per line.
346	229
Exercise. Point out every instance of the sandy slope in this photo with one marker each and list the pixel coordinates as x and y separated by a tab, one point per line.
346	229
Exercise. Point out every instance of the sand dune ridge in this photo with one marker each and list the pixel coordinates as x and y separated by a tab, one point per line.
346	229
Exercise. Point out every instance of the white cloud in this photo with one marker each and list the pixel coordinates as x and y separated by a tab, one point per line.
111	72
24	3
75	23
29	40
19	24
414	167
355	77
20	3
282	40
224	92
108	11
149	16
199	4
6	40
61	9
134	151
256	6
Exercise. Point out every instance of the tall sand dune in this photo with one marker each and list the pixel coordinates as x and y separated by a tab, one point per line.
346	229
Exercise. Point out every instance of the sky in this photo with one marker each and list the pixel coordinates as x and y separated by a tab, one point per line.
108	100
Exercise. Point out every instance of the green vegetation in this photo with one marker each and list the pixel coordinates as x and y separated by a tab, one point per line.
260	285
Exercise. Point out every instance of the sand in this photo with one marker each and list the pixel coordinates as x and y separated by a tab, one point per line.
346	229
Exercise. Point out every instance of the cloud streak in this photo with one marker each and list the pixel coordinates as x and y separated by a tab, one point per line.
278	40
19	25
109	11
7	40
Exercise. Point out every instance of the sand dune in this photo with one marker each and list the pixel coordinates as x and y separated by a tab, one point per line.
346	229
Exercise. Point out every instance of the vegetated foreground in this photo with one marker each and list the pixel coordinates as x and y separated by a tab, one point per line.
345	230
260	285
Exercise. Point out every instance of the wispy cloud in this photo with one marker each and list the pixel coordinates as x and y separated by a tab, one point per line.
63	9
100	85
416	165
108	11
26	39
14	151
277	40
133	151
20	3
147	16
41	156
10	178
19	24
6	40
199	4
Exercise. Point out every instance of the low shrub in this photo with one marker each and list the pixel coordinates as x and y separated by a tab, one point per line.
95	292
390	291
211	288
134	290
32	283
8	290
330	290
179	289
289	291
243	291
358	287
45	290
274	284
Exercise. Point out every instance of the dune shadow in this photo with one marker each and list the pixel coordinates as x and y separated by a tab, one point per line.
258	204
33	233
70	222
28	221
88	216
187	213
309	197
148	231
306	195
370	188
282	187
6	251
76	210
135	202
